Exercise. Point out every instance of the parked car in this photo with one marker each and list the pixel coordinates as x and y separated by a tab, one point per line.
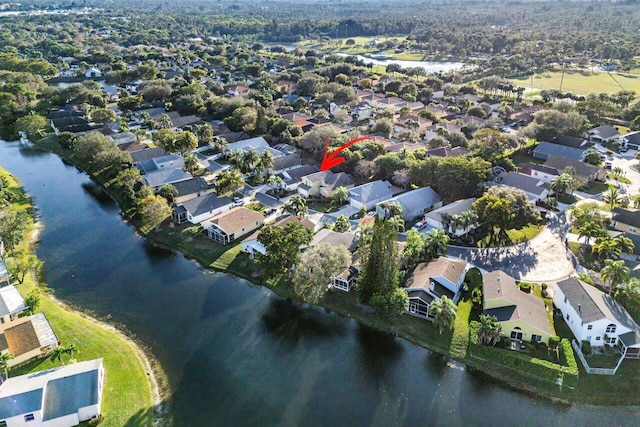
237	201
269	211
607	165
420	225
623	149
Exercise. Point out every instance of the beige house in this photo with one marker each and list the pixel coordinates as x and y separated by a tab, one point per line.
626	220
230	225
324	184
27	338
523	316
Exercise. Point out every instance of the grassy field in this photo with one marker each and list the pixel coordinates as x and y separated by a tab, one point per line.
524	234
579	83
127	395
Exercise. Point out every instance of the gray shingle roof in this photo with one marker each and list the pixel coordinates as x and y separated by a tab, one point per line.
414	201
66	395
191	186
627	216
18	404
550	149
161	177
206	203
146	154
604	132
372	191
525	183
583	170
593	304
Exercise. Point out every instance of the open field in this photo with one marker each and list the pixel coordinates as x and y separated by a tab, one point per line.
576	82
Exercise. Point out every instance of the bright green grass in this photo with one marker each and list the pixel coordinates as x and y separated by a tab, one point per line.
524	234
127	394
575	82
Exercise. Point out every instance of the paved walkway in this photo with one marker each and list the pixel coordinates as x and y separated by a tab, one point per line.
544	258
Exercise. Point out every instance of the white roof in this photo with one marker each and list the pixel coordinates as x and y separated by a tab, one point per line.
10	300
245	144
455	208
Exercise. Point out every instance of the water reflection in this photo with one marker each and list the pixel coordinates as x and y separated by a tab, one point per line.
290	321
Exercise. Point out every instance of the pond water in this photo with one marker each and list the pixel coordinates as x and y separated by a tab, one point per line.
238	355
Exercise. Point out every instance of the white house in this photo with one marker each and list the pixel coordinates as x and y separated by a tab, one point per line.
369	194
57	397
544	173
200	208
437	218
414	203
93	72
595	317
4	273
347	279
431	280
11	304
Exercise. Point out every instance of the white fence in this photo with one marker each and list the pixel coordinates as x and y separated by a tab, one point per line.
590	370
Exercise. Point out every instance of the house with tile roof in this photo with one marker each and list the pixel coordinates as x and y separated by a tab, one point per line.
63	396
595	317
27	338
431	280
522	316
232	224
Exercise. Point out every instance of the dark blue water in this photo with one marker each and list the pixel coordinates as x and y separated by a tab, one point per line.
238	355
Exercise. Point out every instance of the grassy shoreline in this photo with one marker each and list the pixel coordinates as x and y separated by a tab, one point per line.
230	259
132	388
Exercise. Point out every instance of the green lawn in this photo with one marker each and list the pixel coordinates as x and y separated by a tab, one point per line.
619	178
594	187
524	234
322	207
126	393
581	83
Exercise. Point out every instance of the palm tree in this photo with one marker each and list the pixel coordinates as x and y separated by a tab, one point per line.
467	219
397	222
614	272
589	230
606	248
636	201
297	206
236	158
229	181
444	312
612	197
266	160
618	171
59	351
629	293
560	184
624	243
191	163
219	143
4	365
435	243
165	122
341	195
445	218
276	182
250	160
489	330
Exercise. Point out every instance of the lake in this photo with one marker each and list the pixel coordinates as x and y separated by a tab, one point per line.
238	355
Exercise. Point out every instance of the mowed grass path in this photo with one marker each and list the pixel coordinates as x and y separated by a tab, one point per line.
127	395
578	83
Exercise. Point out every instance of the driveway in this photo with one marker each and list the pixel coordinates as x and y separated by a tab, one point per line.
542	259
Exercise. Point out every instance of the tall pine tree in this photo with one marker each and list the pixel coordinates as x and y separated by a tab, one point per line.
380	272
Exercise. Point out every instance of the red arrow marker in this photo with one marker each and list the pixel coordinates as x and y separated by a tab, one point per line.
329	161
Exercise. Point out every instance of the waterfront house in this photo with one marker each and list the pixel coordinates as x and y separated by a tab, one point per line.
166	162
626	220
325	235
157	179
11	303
200	208
595	317
522	316
232	224
437	218
346	279
63	396
27	338
431	280
145	154
192	188
369	194
414	203
252	246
